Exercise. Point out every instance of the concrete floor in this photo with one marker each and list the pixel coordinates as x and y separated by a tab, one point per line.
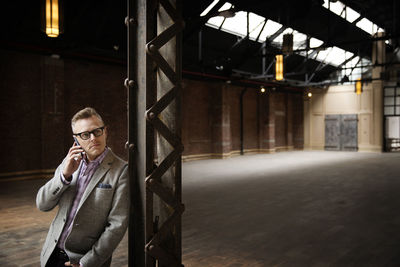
286	209
293	209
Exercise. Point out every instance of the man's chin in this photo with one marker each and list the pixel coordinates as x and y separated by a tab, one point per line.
94	154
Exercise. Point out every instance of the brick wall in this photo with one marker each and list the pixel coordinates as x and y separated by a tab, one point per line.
101	87
196	125
272	121
20	86
40	94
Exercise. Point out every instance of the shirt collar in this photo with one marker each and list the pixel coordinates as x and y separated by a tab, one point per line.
99	159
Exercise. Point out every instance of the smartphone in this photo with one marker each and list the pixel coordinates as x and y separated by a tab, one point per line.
76	141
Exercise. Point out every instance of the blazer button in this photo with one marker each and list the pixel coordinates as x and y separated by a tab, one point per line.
55	240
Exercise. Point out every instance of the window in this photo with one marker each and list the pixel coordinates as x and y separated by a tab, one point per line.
391	101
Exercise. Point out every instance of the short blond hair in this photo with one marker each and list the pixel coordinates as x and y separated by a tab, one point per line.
84	114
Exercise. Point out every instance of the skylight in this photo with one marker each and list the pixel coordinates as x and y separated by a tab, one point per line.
335	56
336	7
255	33
216	22
270	28
238	24
299	40
353	69
314	42
351	15
205	12
367	25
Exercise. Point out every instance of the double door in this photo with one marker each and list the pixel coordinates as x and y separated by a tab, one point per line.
341	132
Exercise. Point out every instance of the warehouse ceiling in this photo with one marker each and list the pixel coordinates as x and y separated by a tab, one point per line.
95	29
238	56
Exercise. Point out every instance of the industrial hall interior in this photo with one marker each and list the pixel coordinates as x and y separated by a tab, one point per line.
253	133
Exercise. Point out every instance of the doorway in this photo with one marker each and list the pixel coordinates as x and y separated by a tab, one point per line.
341	132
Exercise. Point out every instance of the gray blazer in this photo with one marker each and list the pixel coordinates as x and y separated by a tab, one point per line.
102	216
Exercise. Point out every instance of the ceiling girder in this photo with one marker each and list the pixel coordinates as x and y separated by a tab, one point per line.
200	21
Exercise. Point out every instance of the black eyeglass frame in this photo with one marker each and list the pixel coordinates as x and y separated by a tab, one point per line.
90	133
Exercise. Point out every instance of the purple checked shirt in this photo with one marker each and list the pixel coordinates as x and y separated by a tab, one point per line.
85	174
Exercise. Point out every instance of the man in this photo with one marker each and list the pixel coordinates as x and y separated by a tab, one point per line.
91	188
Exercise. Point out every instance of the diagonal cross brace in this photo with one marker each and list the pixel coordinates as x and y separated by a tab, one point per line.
170	222
156	247
162	63
171	11
166	35
162	103
159	253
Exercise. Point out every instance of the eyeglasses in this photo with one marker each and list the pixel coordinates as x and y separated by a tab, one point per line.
86	135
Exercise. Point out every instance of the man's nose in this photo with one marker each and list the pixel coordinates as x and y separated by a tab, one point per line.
92	136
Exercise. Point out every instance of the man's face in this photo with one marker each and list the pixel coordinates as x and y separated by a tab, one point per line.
93	146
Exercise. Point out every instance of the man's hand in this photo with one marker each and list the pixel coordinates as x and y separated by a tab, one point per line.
68	263
72	161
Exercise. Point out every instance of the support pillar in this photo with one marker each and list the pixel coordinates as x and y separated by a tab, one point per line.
268	124
379	57
221	130
154	104
289	121
138	67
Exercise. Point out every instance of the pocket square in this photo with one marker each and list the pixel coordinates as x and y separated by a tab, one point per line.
101	185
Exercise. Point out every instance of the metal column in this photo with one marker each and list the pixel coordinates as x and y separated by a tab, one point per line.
154	137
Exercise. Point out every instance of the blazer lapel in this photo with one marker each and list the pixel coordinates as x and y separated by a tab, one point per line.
98	174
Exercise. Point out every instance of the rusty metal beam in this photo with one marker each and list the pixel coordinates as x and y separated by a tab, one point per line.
154	85
164	181
136	216
136	238
141	29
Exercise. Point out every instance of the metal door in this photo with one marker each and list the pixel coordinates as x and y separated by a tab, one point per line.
349	133
332	132
341	132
